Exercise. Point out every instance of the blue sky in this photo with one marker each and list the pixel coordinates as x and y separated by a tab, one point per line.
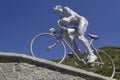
21	20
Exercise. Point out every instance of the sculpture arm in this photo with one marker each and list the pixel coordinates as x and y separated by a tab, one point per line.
69	14
68	19
61	24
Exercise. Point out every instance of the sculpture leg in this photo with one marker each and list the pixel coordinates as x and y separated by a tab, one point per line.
85	43
91	57
81	31
71	40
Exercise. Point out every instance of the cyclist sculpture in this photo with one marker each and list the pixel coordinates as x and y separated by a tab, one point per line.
80	24
58	41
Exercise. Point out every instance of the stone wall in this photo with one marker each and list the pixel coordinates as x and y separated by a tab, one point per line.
22	67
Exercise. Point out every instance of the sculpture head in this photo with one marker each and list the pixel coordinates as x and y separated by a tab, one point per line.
58	9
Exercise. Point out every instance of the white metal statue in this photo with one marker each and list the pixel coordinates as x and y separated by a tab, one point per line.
80	24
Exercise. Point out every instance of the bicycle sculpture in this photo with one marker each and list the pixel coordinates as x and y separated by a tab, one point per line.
58	42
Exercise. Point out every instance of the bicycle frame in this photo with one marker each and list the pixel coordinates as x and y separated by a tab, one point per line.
62	39
59	37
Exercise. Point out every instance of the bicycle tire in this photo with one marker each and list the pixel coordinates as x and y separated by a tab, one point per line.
44	40
107	69
108	66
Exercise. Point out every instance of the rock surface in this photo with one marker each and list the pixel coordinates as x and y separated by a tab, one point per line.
22	67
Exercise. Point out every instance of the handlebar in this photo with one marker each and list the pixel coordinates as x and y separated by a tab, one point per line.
60	25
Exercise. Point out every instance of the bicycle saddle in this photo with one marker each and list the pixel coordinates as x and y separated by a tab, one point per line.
92	36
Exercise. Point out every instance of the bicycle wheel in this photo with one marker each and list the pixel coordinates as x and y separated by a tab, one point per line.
104	64
46	46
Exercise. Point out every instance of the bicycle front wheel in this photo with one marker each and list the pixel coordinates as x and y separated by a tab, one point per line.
49	47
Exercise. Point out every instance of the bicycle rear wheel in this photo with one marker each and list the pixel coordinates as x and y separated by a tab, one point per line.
104	64
46	46
108	66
